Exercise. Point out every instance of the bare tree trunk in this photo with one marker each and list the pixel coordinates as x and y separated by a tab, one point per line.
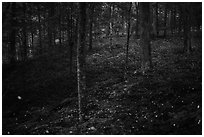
71	42
81	56
145	36
50	26
187	28
137	22
60	31
12	36
40	30
91	24
24	33
128	35
111	25
165	20
157	19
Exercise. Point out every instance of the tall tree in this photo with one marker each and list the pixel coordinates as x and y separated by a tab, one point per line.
81	66
145	36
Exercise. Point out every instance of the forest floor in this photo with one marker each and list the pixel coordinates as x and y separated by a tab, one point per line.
165	100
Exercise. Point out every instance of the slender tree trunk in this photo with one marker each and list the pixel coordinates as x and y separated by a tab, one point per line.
145	36
165	20
40	30
60	36
91	11
175	22
187	28
12	36
137	21
71	42
180	20
81	56
111	25
24	34
157	19
128	35
50	26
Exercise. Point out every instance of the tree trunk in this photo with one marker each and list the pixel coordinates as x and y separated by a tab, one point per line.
24	33
50	32
40	31
128	35
91	11
137	22
71	41
12	36
60	36
145	36
187	28
111	25
81	55
180	20
157	19
165	20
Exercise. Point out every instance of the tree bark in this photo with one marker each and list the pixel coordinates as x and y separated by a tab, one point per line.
145	37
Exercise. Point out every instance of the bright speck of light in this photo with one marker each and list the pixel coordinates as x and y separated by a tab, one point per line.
19	97
198	106
199	121
174	125
47	131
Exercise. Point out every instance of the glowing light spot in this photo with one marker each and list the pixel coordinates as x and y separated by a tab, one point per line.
47	131
198	107
174	125
199	121
19	97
